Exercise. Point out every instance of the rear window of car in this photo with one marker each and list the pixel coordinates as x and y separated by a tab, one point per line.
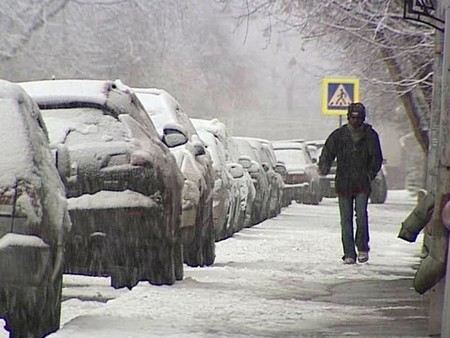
291	157
75	126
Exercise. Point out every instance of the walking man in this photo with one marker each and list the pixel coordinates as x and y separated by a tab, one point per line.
356	148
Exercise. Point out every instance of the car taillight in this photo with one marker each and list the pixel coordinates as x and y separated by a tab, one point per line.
296	178
20	210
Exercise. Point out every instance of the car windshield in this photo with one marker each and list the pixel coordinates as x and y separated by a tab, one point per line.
291	157
78	126
245	148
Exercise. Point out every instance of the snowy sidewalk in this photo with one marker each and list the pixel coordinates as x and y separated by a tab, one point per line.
281	278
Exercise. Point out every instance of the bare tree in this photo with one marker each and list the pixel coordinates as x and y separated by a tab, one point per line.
21	19
394	55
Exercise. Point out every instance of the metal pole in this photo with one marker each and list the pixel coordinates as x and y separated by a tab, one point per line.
445	330
445	159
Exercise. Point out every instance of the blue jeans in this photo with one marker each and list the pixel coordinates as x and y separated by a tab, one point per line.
362	225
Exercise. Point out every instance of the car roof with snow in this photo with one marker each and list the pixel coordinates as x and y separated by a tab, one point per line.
164	110
25	153
112	96
214	126
287	145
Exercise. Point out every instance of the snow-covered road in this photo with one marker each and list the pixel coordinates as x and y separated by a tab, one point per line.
283	277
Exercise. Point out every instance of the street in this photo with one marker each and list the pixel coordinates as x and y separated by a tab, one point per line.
281	278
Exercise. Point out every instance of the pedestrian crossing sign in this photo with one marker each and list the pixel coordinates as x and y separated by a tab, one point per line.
337	94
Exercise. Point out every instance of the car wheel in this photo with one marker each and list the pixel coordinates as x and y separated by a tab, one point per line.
315	194
178	257
209	247
122	277
192	253
162	263
33	311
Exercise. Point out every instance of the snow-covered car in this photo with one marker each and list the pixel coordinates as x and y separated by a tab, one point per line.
34	219
226	196
326	181
214	134
249	161
267	158
196	165
124	186
302	182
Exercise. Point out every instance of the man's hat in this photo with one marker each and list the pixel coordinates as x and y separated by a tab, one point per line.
356	109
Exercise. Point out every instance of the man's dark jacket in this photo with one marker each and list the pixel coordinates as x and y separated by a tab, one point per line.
357	162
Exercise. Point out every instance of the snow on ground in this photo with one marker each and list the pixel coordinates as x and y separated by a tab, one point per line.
263	283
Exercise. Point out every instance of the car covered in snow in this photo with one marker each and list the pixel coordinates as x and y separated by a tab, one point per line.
34	219
266	156
302	182
123	184
196	165
240	190
248	159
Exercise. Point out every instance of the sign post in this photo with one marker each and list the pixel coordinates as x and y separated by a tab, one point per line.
337	94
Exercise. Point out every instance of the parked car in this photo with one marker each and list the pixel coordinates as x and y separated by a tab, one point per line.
226	196
267	158
249	160
34	219
124	187
196	165
326	181
379	188
215	135
302	180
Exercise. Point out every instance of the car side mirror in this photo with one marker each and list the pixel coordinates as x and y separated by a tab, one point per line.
199	149
281	169
245	162
174	137
236	170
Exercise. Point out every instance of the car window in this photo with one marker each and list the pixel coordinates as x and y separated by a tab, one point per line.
292	157
246	149
83	125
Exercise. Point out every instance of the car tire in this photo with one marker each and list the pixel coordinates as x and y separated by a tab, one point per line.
33	311
162	263
209	247
178	257
122	277
192	253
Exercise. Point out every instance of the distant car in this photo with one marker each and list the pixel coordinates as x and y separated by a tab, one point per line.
379	188
267	158
214	133
226	189
124	186
251	163
34	219
197	225
302	180
327	182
